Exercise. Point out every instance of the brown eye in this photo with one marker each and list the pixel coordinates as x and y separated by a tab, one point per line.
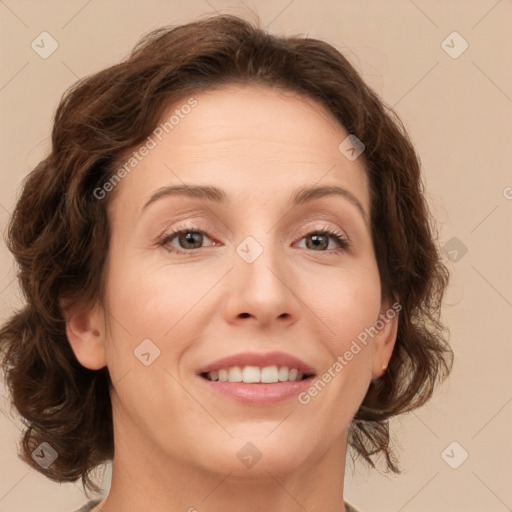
188	239
319	241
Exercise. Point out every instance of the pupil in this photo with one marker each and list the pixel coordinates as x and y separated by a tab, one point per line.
189	237
317	240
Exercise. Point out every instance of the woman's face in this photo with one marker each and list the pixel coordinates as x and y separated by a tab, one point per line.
255	276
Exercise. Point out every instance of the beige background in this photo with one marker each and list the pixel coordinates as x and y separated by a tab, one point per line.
458	112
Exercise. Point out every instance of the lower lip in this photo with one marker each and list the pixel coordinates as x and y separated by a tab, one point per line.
258	393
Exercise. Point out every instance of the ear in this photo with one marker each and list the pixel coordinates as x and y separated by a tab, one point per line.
85	329
384	341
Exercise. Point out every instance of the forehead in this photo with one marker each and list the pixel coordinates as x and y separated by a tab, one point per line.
247	140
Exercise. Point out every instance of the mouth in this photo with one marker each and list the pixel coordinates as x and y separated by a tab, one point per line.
257	379
257	375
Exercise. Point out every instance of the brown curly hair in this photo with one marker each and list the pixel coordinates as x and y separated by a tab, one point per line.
59	231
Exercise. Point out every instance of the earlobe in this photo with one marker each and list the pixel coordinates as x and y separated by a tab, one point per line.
385	340
85	333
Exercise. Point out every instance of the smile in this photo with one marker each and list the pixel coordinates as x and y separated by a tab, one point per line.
255	374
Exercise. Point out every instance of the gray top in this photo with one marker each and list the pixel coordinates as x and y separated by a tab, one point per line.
89	506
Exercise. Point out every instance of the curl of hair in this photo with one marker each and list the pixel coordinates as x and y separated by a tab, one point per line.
59	231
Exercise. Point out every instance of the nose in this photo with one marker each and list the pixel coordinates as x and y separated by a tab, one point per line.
261	284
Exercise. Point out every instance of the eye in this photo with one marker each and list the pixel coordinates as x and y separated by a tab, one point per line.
319	239
188	238
191	238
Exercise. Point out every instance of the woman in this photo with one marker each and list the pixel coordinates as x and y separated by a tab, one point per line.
231	277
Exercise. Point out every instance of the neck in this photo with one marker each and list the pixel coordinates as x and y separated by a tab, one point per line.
145	478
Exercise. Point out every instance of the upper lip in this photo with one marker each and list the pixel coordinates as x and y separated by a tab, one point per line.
258	359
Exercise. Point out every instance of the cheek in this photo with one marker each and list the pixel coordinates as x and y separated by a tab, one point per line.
147	324
145	300
349	308
354	311
346	300
160	304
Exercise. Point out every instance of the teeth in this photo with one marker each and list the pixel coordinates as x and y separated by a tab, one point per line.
269	374
251	374
255	374
235	374
283	373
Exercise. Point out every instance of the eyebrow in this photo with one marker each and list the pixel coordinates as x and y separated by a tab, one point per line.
299	196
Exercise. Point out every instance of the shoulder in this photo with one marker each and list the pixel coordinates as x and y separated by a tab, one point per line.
89	506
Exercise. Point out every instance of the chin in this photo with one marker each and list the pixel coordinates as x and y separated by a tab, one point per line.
256	455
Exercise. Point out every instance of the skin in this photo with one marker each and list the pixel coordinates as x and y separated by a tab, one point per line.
176	442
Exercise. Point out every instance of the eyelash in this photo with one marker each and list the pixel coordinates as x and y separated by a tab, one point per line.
341	240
